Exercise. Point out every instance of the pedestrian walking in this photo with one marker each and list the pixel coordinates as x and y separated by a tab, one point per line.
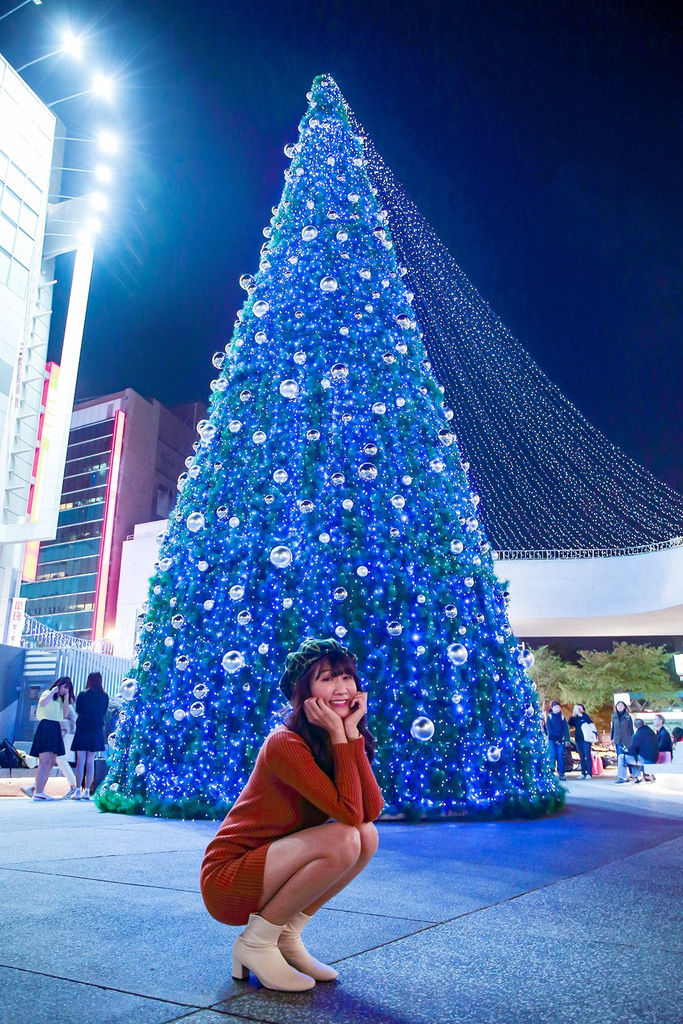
557	731
48	744
585	734
621	735
91	708
277	857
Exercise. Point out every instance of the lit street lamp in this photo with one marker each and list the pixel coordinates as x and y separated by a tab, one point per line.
106	140
101	86
71	44
103	174
98	201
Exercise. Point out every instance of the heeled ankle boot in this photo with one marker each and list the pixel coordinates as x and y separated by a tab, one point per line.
295	953
256	950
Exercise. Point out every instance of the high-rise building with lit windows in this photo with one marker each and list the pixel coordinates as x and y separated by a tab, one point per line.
36	399
123	460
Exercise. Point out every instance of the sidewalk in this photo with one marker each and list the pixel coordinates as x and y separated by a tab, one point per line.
577	915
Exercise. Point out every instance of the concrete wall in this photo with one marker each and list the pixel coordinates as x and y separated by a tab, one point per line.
634	595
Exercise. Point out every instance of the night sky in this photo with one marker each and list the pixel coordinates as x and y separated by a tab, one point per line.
540	139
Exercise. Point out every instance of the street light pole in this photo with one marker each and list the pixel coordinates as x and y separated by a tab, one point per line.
101	87
71	44
19	6
38	60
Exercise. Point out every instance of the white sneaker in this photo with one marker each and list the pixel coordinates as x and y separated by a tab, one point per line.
42	796
29	790
86	794
75	794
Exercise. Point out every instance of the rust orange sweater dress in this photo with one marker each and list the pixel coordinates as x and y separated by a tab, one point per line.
286	792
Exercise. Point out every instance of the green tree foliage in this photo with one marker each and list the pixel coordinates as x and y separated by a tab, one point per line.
632	668
550	674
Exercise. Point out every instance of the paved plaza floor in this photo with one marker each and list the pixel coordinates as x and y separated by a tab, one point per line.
571	918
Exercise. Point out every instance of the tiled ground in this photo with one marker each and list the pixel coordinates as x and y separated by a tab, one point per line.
507	922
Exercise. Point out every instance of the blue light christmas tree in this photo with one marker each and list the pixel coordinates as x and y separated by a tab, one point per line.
326	497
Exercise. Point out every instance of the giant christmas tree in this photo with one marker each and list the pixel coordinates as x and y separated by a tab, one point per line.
326	497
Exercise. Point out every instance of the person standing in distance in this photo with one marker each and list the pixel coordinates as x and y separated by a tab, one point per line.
91	707
621	735
278	857
557	732
48	744
583	731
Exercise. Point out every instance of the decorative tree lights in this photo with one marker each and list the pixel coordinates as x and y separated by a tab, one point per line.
326	497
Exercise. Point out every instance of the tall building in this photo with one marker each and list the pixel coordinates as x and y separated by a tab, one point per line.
124	457
33	397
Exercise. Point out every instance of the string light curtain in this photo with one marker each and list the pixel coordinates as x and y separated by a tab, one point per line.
548	480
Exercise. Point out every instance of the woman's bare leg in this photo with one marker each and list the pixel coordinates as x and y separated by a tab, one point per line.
46	763
303	866
89	769
66	770
368	848
80	768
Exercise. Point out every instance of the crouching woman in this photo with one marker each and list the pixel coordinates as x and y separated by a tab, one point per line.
277	857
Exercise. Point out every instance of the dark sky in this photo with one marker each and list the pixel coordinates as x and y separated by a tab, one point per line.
540	139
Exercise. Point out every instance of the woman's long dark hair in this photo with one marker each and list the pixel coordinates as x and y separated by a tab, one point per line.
94	681
63	681
317	738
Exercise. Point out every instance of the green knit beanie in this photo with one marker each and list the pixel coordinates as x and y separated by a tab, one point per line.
298	662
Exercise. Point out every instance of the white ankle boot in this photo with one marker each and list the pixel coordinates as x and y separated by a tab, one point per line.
295	953
256	950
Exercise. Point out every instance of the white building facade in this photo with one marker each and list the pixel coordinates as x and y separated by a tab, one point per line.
33	407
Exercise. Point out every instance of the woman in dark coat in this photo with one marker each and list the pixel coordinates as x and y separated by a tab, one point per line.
91	707
622	734
577	721
557	732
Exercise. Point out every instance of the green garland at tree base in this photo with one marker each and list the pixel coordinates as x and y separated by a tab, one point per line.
199	810
185	810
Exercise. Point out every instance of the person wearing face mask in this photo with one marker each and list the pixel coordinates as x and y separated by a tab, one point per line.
277	857
621	735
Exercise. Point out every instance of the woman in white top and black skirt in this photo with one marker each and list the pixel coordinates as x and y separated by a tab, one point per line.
48	744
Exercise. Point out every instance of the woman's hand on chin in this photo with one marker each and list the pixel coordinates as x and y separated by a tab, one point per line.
359	708
318	713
